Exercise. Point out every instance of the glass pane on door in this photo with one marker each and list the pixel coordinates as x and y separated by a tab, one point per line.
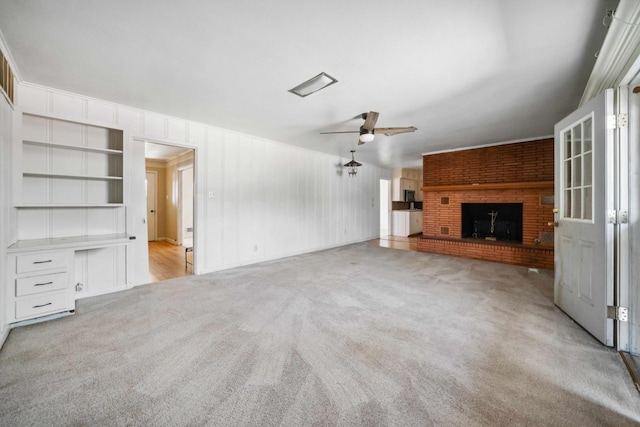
577	170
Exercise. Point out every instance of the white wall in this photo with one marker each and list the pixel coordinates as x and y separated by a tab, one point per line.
6	131
270	200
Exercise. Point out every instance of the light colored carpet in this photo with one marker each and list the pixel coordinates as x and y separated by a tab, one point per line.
357	335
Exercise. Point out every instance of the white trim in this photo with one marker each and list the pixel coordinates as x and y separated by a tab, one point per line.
493	144
88	294
167	239
287	255
620	49
41	319
4	335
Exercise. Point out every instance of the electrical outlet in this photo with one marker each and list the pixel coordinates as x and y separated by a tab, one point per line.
255	248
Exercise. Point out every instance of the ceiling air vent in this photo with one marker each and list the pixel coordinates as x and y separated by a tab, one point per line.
313	85
6	78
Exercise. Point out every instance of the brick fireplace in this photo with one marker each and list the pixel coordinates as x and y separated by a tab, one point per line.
492	178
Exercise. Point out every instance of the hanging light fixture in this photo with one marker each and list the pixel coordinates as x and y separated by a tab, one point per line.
352	165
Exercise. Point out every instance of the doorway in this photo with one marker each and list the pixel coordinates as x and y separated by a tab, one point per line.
170	218
385	206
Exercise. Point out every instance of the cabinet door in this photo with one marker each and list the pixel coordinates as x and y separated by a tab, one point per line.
400	224
397	195
416	222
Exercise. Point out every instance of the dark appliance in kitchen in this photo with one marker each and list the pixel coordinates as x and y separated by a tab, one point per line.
409	196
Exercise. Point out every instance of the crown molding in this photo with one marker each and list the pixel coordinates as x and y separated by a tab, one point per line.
619	52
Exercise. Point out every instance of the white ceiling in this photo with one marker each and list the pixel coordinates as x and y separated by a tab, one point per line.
463	72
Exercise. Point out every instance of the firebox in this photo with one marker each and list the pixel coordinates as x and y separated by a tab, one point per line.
492	221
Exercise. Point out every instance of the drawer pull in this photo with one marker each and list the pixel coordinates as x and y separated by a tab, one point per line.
41	305
42	262
43	284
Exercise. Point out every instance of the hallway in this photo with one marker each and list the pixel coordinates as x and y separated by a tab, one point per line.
167	261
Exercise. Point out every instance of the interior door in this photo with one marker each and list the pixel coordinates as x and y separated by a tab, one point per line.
583	285
151	184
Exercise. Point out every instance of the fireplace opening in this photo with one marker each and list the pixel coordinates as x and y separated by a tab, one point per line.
492	221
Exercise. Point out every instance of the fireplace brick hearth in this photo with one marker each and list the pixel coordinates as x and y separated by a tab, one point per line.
510	173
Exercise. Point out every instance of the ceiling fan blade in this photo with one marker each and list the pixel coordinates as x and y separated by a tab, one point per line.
370	121
346	131
394	131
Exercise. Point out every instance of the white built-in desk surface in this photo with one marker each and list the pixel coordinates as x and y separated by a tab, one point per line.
74	242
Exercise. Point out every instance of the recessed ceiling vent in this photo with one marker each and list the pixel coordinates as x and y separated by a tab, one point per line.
314	84
6	77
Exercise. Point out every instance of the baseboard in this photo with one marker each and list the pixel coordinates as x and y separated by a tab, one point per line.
42	319
4	335
280	256
101	292
166	239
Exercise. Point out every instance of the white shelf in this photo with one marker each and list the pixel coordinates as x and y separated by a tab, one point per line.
75	242
74	147
70	176
69	205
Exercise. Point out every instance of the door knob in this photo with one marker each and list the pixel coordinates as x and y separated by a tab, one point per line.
554	223
152	211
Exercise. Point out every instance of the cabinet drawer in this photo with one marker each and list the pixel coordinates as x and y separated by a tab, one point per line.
38	262
41	304
37	284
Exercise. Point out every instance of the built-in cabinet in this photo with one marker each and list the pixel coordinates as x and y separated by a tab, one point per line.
406	179
400	185
413	174
406	223
70	215
40	284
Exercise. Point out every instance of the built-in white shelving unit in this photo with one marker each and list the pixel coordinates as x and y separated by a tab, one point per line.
69	196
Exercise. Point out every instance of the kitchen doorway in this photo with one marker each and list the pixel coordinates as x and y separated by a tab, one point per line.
171	254
385	207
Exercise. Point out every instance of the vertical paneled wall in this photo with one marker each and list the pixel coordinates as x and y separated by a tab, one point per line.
256	199
6	131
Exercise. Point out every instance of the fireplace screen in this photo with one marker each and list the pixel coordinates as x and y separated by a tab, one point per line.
492	221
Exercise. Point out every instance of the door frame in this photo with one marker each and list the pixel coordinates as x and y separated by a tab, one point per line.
628	272
389	202
196	155
155	207
180	171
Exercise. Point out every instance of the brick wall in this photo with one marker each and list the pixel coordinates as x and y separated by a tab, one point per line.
522	162
525	162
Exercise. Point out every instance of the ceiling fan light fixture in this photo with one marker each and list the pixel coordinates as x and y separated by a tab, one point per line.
366	137
313	85
352	165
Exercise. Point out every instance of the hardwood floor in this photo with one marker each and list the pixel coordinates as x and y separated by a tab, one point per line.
397	242
167	261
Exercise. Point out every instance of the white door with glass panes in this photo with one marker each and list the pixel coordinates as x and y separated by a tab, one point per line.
583	285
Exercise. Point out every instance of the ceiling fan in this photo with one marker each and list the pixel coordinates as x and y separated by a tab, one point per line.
368	129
